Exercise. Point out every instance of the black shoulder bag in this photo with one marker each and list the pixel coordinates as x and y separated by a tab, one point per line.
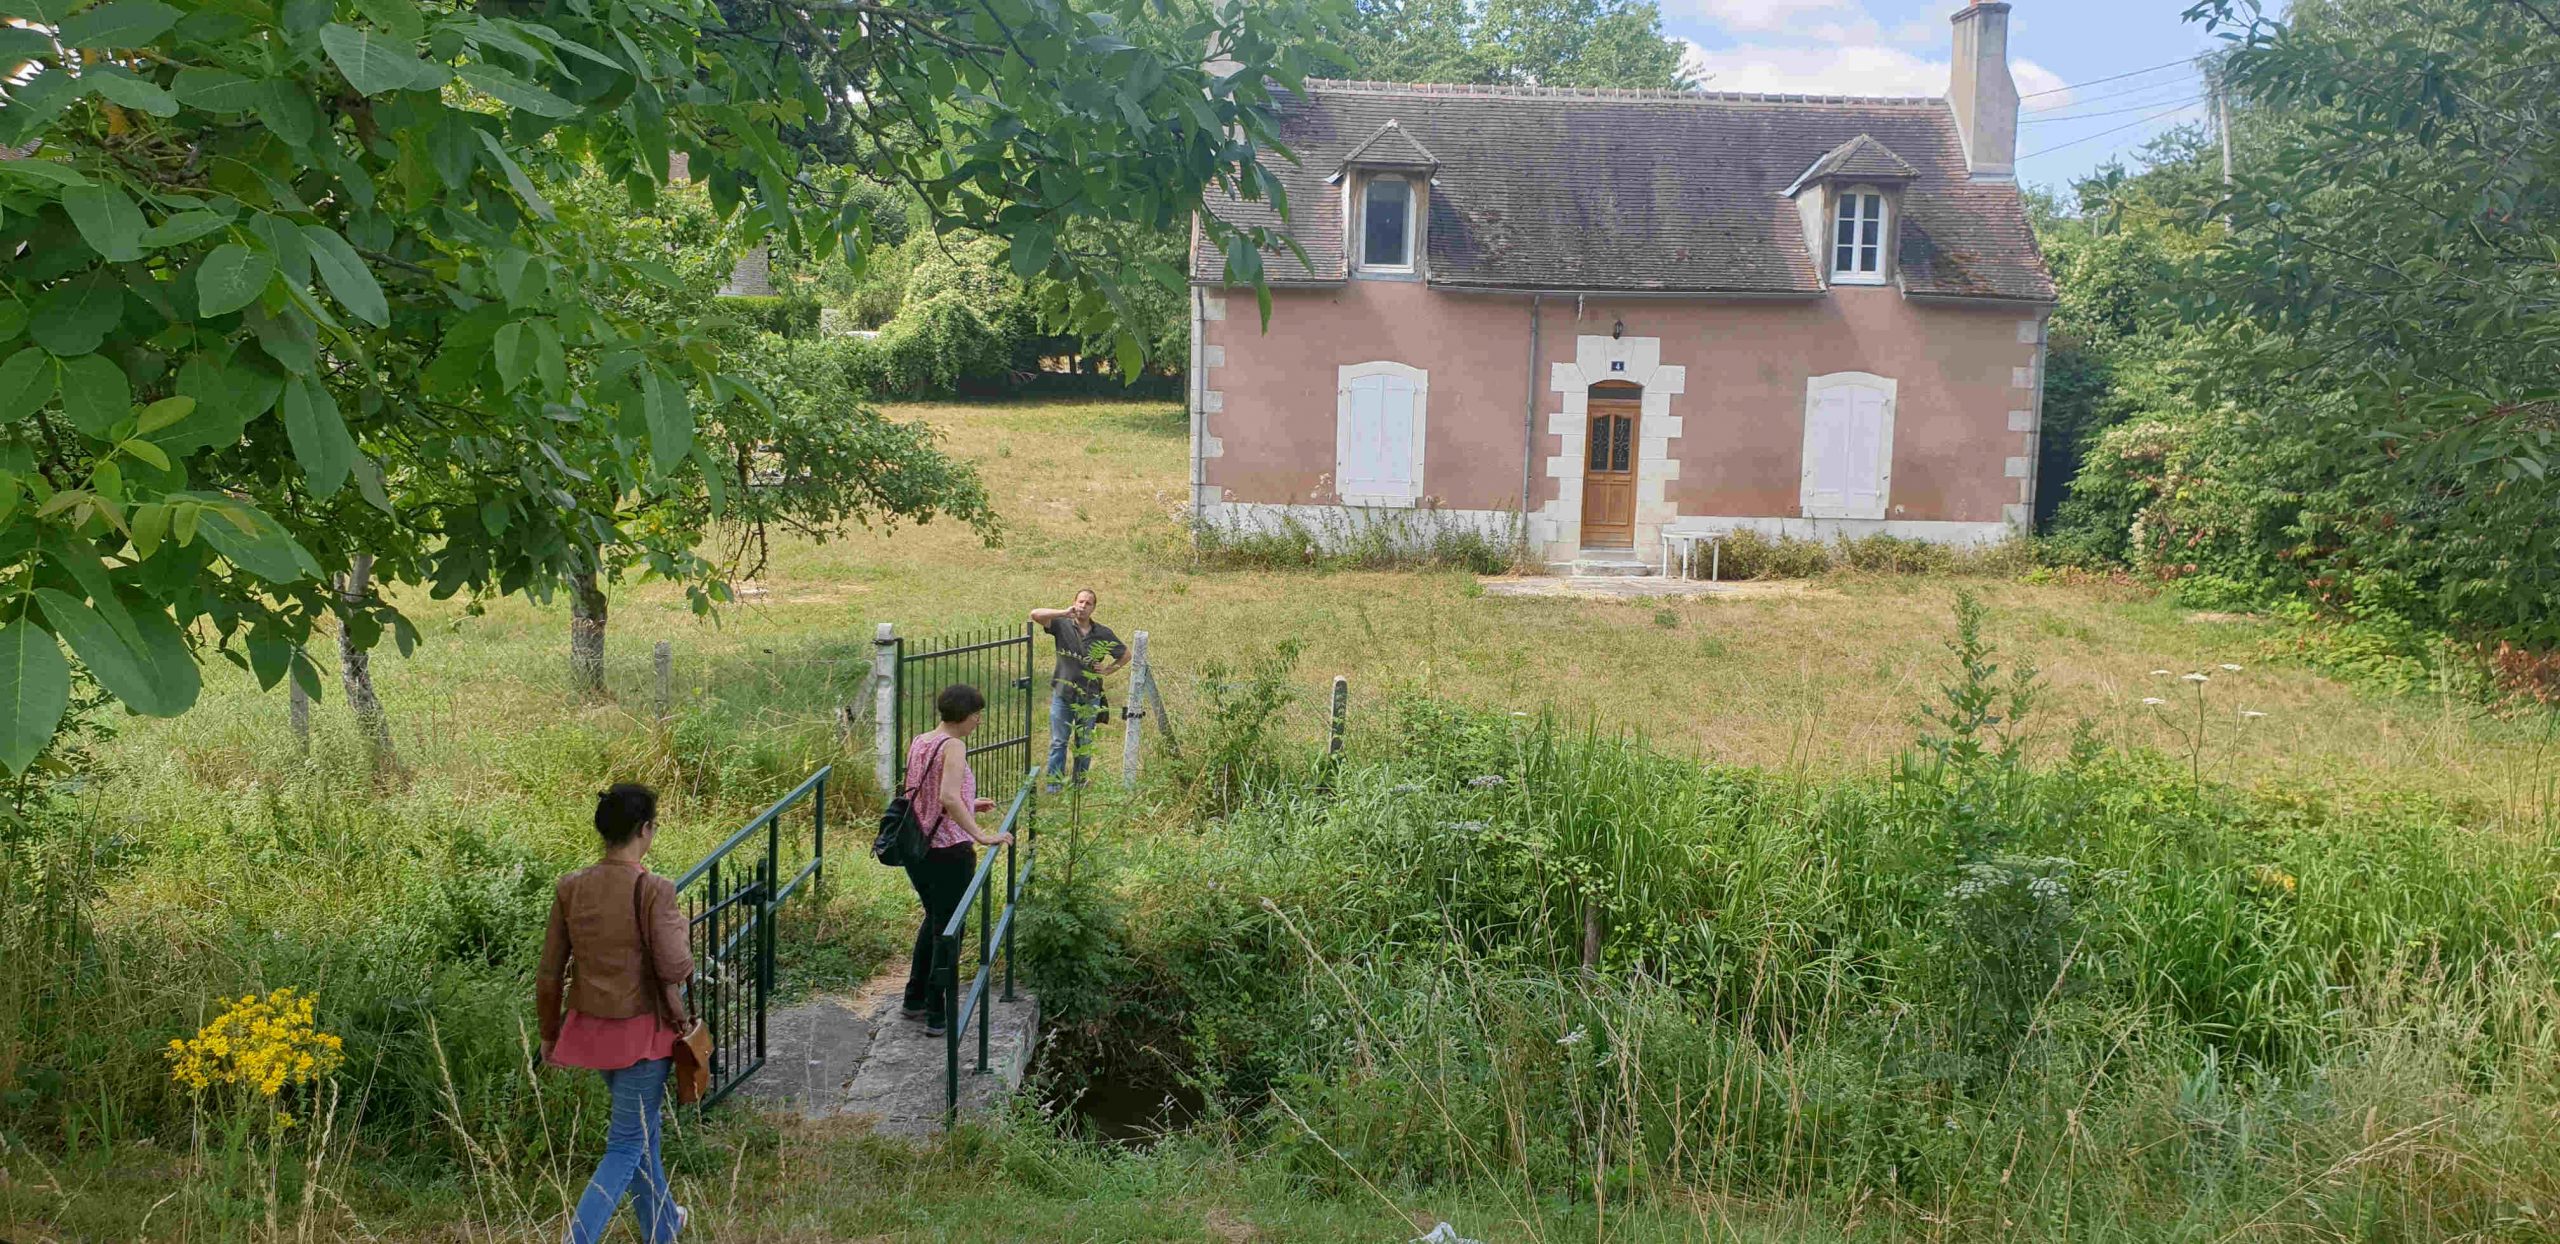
901	841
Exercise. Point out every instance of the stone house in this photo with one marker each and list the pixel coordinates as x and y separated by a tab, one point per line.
1603	317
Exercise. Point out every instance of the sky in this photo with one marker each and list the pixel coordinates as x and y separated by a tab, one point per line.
2065	54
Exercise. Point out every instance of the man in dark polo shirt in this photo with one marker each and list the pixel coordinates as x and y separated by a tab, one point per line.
1088	652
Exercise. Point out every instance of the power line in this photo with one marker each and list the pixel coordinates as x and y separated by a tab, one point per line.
2132	73
2124	93
2112	112
2103	133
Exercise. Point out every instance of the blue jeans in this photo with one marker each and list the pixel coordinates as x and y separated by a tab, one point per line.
630	1160
1071	722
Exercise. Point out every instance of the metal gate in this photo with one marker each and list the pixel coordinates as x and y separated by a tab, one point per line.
730	900
999	665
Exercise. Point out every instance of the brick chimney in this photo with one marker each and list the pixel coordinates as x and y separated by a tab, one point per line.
1984	96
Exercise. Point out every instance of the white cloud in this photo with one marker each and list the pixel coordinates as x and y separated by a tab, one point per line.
1842	69
2045	84
1867	69
1766	16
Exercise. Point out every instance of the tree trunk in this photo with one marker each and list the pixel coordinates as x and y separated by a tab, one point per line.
355	672
586	635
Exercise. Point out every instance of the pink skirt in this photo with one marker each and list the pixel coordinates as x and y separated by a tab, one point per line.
611	1044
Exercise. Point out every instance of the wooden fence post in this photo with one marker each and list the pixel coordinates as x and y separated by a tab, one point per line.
1134	712
884	730
666	663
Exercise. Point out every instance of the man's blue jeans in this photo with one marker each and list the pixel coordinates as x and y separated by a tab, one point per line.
630	1160
1071	721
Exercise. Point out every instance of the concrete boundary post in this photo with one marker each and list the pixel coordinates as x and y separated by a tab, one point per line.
884	732
1135	712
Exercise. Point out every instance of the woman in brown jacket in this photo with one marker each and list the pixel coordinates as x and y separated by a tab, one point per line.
620	941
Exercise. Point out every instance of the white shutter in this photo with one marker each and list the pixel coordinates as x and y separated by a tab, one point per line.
1397	424
1863	479
1848	446
1826	445
1356	437
1378	434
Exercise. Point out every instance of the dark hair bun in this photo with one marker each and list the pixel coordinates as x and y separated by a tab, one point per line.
622	810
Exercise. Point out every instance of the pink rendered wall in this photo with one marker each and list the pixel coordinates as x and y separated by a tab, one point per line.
1276	428
1741	447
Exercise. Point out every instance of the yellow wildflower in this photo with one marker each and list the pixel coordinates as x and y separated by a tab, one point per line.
262	1045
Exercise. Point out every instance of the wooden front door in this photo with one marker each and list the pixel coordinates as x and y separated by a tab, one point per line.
1609	473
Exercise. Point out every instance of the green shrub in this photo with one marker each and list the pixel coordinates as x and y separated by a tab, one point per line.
1883	554
1418	539
2213	591
784	315
1751	555
943	347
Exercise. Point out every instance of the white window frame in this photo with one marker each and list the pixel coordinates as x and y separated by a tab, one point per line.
1412	223
1853	275
1343	377
1813	391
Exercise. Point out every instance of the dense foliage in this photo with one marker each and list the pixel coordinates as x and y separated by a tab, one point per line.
287	290
2350	401
1018	336
1614	43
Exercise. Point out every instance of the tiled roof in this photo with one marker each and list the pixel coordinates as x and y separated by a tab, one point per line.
1859	159
1391	147
1641	191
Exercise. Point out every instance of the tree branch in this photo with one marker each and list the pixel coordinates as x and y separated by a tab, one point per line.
2549	22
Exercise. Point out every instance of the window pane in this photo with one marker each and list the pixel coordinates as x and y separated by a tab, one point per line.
1618	460
1872	228
1390	201
1597	449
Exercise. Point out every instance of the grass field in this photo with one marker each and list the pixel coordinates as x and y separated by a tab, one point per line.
1811	680
231	860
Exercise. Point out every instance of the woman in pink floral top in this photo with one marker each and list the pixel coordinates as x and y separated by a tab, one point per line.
944	791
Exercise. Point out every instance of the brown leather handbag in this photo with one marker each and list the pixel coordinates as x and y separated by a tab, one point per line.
691	1077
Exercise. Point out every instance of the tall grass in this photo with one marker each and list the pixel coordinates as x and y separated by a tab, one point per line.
1366	539
2093	1000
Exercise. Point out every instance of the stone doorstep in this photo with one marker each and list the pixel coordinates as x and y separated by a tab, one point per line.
1594	568
840	1057
1606	587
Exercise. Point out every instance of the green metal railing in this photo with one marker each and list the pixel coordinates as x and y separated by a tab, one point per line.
735	891
995	937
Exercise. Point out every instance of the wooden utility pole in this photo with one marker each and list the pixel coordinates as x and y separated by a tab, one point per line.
2222	111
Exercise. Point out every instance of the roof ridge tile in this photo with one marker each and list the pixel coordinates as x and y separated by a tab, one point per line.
1506	90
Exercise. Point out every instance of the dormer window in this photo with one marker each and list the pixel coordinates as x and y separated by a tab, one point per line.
1857	238
1386	224
1862	182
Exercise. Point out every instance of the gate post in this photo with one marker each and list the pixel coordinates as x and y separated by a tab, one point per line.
884	733
1135	712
